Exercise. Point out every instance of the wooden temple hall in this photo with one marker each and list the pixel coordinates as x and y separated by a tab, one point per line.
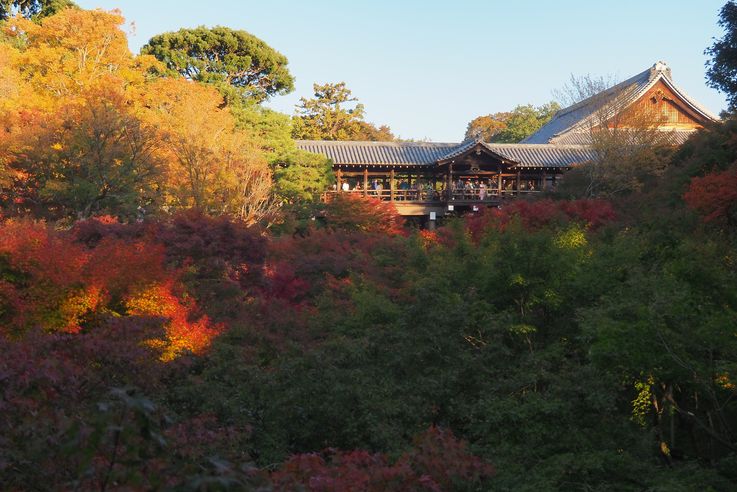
428	179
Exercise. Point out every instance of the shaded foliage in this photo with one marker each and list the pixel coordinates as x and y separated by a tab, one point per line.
714	196
437	462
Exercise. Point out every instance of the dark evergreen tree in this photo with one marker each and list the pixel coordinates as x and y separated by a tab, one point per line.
33	9
225	57
721	69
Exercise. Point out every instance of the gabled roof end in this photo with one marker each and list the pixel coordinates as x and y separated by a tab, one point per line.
660	67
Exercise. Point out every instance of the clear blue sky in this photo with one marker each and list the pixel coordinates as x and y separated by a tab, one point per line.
426	67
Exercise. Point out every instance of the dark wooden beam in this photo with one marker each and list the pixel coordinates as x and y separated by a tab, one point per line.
365	181
499	182
391	184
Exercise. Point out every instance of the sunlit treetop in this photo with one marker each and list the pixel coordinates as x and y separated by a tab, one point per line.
334	114
225	57
72	51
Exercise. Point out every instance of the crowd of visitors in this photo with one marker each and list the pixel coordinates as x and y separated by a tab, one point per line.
421	190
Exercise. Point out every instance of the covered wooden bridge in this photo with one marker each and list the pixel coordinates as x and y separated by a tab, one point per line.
425	177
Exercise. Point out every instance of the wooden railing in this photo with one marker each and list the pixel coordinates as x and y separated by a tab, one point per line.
434	196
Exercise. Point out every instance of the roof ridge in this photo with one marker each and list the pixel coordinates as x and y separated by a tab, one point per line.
626	98
338	143
606	92
541	145
451	145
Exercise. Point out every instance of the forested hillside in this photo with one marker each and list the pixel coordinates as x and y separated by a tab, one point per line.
179	311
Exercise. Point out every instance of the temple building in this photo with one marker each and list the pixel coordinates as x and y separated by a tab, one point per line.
427	179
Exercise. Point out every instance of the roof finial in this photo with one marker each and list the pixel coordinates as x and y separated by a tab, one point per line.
661	67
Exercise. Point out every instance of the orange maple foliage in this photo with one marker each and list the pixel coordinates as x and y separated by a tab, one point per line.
93	155
47	280
181	334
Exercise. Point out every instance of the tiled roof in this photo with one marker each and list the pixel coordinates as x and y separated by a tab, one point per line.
426	153
345	152
544	155
581	117
676	137
462	147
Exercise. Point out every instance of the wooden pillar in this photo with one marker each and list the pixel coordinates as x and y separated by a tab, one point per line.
391	184
447	185
518	176
340	180
499	186
544	184
450	181
365	181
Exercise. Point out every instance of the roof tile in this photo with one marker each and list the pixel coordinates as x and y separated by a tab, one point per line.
427	153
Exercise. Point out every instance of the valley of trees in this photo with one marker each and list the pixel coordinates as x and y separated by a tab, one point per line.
179	311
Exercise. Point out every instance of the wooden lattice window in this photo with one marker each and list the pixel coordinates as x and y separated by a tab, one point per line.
668	112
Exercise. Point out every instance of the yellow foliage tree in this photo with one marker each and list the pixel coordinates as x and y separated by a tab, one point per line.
213	166
70	52
93	129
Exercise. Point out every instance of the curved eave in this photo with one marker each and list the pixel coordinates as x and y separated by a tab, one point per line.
691	103
385	164
475	146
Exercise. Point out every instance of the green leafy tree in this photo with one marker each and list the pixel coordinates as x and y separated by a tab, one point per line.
298	175
721	70
234	60
302	176
334	114
666	328
525	120
33	9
